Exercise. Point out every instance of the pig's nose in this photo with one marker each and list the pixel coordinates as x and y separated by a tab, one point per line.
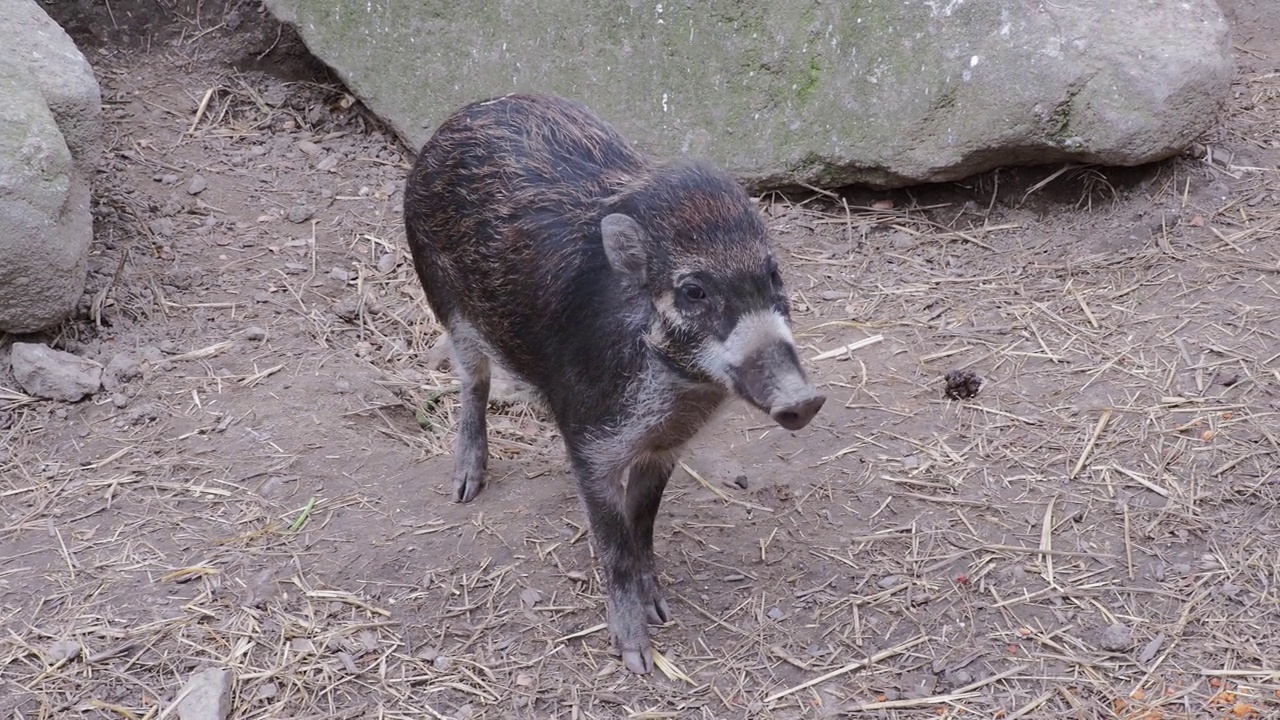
796	414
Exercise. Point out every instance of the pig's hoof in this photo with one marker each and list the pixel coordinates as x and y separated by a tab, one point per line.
467	484
639	662
630	637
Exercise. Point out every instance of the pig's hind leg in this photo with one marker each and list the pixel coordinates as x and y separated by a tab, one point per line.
471	448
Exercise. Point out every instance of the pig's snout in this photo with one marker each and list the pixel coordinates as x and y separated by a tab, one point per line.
766	371
795	413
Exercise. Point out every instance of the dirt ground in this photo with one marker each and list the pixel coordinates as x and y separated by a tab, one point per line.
264	485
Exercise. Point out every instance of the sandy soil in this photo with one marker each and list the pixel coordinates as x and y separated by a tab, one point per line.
265	483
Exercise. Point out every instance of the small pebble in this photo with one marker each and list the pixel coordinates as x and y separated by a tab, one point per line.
120	400
442	662
776	614
741	481
340	274
207	696
63	650
1116	638
387	263
1148	651
161	227
299	214
347	309
255	333
197	186
889	581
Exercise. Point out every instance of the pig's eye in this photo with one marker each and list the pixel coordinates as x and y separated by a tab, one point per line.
693	292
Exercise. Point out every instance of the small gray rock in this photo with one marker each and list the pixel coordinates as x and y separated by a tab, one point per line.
340	274
1148	651
347	309
52	374
121	369
889	581
776	614
1116	638
197	186
918	685
387	263
207	696
255	333
120	400
299	214
161	227
62	650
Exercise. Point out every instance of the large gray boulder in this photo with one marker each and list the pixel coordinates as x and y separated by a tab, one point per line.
881	92
50	139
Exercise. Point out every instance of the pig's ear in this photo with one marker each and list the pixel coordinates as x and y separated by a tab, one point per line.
626	245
